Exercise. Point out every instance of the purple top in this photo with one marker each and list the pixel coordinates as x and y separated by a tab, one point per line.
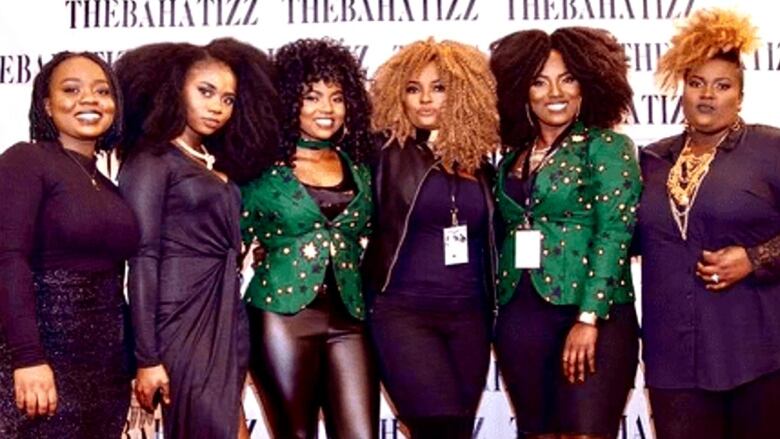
694	338
53	218
420	275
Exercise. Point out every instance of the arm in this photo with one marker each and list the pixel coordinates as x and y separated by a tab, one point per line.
143	182
613	195
765	259
22	192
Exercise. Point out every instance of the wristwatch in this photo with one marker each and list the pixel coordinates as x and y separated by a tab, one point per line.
588	317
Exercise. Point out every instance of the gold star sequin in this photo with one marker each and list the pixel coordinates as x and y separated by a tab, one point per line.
309	251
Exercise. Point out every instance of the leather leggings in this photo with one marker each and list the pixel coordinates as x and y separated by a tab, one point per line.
319	358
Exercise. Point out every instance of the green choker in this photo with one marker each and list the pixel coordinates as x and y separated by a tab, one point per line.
314	144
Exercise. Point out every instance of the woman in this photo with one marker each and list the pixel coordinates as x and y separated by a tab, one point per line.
429	264
707	230
311	214
192	342
64	369
566	334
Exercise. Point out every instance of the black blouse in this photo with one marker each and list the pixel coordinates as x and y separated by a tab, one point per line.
53	218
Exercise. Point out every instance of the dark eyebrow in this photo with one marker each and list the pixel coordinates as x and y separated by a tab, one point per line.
208	85
78	80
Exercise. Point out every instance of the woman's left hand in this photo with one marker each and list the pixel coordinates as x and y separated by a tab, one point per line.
579	352
723	268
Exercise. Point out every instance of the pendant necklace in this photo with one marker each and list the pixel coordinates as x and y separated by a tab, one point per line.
92	176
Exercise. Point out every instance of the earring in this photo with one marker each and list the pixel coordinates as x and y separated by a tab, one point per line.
528	115
344	133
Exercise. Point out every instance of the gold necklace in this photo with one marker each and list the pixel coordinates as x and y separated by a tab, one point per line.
684	181
92	177
538	153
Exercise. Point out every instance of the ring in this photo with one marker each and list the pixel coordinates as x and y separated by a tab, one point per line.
715	278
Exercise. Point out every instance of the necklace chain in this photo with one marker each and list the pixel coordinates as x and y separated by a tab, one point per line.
204	156
92	177
685	179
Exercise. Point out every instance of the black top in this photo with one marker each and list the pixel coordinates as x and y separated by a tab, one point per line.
334	199
53	218
694	338
420	274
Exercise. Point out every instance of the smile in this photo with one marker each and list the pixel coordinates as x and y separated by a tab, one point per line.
88	116
557	106
426	113
324	122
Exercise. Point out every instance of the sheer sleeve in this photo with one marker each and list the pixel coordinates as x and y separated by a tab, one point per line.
143	181
22	191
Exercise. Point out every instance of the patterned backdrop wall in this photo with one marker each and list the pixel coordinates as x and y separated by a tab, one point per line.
31	31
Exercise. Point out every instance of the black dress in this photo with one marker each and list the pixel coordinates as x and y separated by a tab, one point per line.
62	247
183	289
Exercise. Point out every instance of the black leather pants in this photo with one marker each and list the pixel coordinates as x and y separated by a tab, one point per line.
316	359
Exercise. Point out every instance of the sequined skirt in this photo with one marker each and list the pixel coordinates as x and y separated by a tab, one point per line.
83	322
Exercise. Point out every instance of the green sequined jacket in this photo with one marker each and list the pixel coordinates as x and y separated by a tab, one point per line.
584	203
300	241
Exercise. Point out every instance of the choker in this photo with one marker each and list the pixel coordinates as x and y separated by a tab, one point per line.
314	144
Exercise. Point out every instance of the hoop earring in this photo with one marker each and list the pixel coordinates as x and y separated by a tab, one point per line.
344	133
528	115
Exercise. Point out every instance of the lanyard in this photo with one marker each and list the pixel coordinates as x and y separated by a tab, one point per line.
526	174
453	185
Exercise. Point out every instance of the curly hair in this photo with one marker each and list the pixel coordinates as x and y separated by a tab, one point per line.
306	61
707	34
42	126
152	79
592	56
468	123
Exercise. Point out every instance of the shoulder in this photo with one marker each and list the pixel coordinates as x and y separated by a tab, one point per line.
608	137
28	152
660	147
151	162
26	158
259	184
764	135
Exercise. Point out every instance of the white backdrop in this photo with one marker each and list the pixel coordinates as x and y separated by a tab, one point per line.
31	31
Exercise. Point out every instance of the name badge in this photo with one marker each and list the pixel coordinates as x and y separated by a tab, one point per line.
528	249
456	245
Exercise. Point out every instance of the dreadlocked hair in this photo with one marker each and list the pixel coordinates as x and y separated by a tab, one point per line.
593	56
152	79
468	121
304	62
42	126
707	34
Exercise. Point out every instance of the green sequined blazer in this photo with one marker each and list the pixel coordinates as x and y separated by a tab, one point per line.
300	241
584	203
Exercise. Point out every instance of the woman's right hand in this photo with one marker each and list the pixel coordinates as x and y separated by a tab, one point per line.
35	391
147	382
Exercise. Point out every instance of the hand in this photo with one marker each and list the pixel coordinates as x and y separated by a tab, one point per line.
147	382
35	391
258	254
579	350
731	264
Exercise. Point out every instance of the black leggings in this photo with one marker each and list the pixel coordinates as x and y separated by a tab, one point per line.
530	335
749	411
433	365
318	358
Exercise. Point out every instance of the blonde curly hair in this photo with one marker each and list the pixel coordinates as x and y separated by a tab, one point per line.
707	34
468	123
